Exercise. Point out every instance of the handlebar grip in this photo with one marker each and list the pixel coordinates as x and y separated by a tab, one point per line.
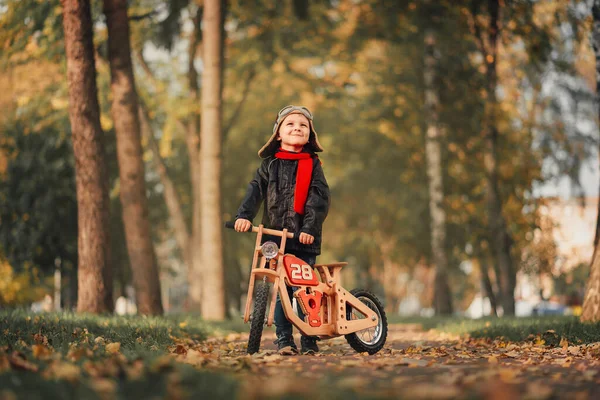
229	224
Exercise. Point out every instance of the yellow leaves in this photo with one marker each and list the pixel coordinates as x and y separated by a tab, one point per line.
574	350
59	103
40	351
512	354
113	348
183	324
509	375
105	387
63	370
17	288
106	122
76	353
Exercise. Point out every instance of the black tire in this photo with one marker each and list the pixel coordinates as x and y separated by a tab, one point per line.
258	316
356	340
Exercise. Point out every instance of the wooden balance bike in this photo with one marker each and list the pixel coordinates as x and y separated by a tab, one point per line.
330	310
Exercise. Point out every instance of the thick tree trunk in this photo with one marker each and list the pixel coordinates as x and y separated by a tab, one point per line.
94	275
131	167
591	302
442	296
500	238
213	296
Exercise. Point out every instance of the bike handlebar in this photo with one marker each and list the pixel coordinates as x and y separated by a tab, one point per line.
273	232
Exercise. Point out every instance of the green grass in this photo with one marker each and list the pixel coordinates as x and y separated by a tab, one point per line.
144	339
135	333
550	328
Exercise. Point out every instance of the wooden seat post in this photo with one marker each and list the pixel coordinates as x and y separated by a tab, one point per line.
330	273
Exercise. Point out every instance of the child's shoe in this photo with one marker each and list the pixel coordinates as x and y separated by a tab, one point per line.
286	346
309	345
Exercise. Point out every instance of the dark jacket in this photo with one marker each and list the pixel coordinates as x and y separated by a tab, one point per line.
275	182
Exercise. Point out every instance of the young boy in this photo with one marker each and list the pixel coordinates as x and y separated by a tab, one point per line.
290	180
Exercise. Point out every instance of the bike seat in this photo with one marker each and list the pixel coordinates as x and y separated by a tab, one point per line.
333	264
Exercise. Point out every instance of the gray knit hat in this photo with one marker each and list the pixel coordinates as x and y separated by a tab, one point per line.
313	140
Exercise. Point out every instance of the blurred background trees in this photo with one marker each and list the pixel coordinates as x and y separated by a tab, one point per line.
514	113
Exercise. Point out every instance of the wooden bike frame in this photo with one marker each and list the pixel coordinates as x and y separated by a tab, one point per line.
332	320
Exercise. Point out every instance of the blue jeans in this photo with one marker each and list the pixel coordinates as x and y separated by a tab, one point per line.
283	327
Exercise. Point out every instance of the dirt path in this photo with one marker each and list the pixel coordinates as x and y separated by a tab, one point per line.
413	364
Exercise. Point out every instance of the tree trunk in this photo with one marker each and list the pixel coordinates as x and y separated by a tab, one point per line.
500	238
213	296
193	148
487	284
172	198
94	275
591	302
131	167
442	296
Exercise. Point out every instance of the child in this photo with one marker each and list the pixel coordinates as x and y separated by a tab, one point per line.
290	180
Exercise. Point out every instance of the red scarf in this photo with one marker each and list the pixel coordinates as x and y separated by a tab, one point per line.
303	176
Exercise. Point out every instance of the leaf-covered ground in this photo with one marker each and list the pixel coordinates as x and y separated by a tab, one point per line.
414	364
68	356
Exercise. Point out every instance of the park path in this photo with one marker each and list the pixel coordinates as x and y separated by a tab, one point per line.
413	364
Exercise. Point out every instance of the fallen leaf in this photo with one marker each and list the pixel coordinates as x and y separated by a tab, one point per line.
574	350
493	360
105	387
508	375
113	348
63	370
564	343
179	349
18	362
41	339
538	391
76	353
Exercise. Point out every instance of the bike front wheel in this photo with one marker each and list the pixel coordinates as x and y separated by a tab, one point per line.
369	340
258	316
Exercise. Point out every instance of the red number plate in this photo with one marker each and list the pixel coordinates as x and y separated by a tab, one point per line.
299	272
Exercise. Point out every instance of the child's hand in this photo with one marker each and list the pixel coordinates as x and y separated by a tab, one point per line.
305	238
242	225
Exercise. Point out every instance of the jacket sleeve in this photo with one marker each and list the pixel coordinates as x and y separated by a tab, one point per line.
317	203
255	194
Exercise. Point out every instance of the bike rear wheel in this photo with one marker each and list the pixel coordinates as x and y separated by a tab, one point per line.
369	340
258	316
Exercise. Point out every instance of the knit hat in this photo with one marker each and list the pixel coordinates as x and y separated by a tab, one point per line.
313	140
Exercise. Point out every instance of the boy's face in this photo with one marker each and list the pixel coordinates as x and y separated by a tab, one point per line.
294	130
